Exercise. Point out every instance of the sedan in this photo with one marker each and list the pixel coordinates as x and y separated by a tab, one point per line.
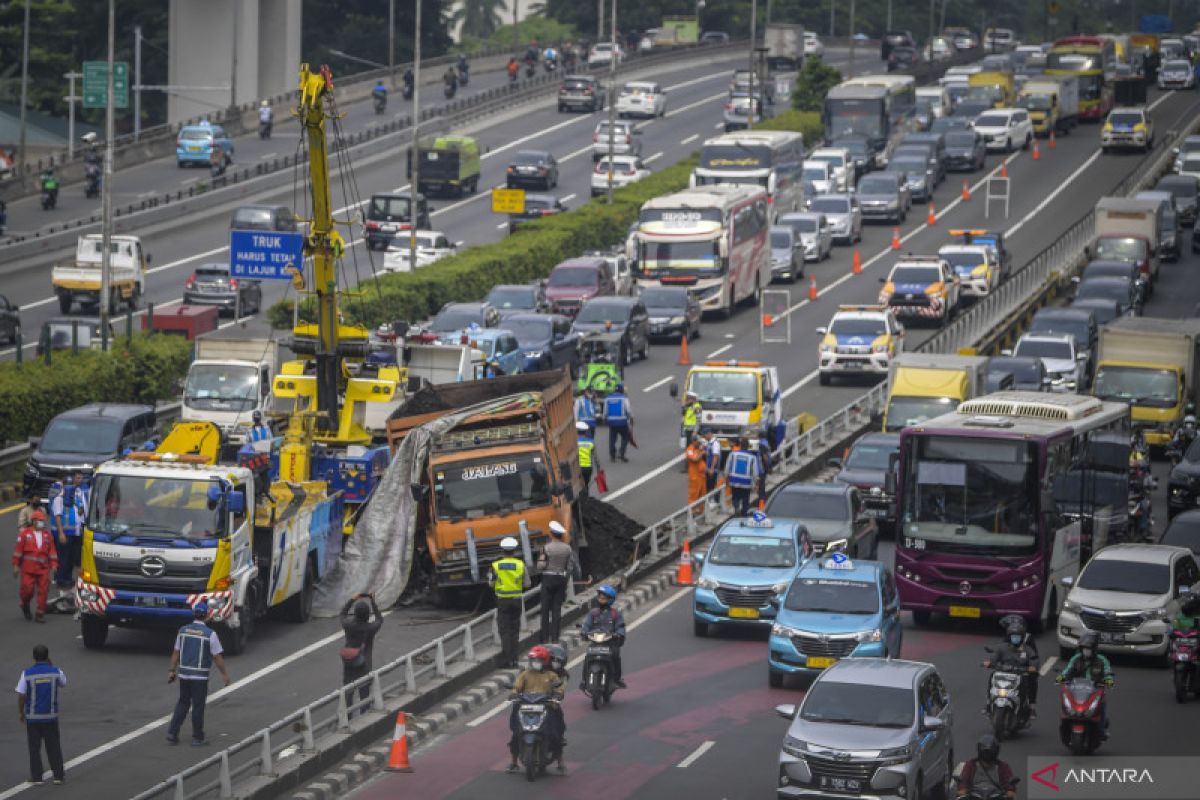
903	58
965	150
532	168
814	233
625	170
833	513
455	317
1124	293
211	285
843	214
673	311
642	99
944	125
619	315
518	298
1184	188
884	196
10	322
431	246
546	340
536	207
1125	270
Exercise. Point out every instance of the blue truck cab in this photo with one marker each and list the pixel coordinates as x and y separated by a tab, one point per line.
195	144
835	608
751	561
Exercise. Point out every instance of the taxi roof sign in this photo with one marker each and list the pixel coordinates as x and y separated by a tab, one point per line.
838	560
758	520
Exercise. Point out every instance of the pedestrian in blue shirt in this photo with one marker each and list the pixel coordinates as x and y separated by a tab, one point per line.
197	649
68	510
619	416
585	410
38	706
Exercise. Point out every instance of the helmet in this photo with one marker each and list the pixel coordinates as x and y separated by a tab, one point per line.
608	592
691	395
264	104
558	655
1189	421
1014	629
539	654
256	416
1088	642
39	515
508	544
557	529
582	427
988	747
620	387
200	610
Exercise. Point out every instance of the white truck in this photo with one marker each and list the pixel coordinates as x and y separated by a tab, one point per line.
1127	230
80	281
785	47
231	378
1052	102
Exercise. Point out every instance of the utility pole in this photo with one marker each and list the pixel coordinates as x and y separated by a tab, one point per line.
392	44
753	41
932	20
850	65
23	161
599	20
889	18
612	100
832	11
71	99
415	152
137	81
106	187
233	63
516	35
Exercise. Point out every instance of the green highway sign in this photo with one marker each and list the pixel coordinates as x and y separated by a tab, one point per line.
95	84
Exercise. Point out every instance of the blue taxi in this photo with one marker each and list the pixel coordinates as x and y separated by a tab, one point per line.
499	346
835	608
751	560
195	144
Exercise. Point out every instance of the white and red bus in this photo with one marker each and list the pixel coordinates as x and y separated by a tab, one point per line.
712	240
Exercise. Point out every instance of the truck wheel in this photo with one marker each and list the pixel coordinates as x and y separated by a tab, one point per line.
64	303
234	639
95	632
299	606
135	299
825	378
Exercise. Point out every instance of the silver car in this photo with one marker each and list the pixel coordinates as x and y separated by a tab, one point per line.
884	196
626	139
869	727
843	214
816	237
787	254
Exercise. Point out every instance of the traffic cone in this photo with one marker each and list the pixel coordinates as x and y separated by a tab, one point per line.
966	195
1003	169
768	320
812	288
762	504
931	217
857	270
398	758
1053	142
1037	153
684	576
685	358
895	238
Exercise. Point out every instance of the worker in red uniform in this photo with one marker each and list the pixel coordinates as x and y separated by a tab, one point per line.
33	560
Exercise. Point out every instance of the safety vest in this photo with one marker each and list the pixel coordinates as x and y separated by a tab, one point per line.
691	415
585	410
741	469
586	446
195	651
509	573
72	503
615	409
41	692
260	433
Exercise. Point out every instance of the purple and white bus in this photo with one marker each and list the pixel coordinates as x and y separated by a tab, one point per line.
979	533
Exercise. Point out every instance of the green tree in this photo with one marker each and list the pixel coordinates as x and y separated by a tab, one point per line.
479	18
812	84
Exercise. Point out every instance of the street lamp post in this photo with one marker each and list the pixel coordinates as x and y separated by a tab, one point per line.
612	100
850	64
414	185
106	187
23	161
391	44
753	41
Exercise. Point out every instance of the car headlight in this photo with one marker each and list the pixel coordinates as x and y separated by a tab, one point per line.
706	583
875	635
880	348
825	348
31	469
533	353
779	588
1159	613
894	202
837	544
1072	606
783	630
454	555
676	321
794	747
896	755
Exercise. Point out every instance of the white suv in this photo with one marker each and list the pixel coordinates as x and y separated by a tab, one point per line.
626	139
860	340
1005	128
1064	365
840	162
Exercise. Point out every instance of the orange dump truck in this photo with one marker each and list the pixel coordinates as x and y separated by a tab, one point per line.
507	467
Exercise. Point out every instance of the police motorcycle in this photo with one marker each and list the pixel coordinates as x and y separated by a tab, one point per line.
537	747
598	669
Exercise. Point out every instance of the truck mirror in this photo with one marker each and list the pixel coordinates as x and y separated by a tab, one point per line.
236	502
889	482
418	490
674	389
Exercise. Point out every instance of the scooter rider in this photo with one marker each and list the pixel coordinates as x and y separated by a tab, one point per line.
379	93
1018	653
538	678
1184	434
1089	663
463	67
408	81
986	773
50	182
605	616
266	114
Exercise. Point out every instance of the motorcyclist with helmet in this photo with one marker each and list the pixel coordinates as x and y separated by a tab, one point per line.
450	79
464	68
539	677
379	94
1019	654
409	81
606	617
1184	435
1088	662
986	774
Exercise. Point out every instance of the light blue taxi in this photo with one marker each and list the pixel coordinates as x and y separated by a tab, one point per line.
499	346
835	608
195	144
751	560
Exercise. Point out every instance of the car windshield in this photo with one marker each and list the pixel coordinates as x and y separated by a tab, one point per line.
800	224
1023	370
867	327
833	159
990	120
195	135
1177	66
389	208
1182	533
867	455
1124	118
653	297
830	596
1105	289
536	205
800	502
89	435
526	157
963	259
1119	575
604	311
1044	348
876	184
947	125
573	277
453	319
830	205
959	138
252	217
1178	188
1035	102
915	167
916	275
622	165
1078	329
1154	388
512	297
858	704
724	390
497	485
221	387
739	550
530	331
1191	163
905	411
816	173
176	508
780	240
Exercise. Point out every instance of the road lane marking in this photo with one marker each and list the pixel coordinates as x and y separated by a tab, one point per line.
569	197
502	226
690	139
649	388
653	158
1049	665
11	509
719	351
695	756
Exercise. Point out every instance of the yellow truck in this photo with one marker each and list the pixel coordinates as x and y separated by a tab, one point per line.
80	281
926	385
1052	102
996	88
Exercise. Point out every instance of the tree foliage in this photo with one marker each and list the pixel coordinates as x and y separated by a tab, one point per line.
815	80
479	18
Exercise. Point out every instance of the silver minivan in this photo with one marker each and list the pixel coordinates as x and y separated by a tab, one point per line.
871	727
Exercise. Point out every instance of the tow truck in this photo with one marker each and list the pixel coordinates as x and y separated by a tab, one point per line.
739	398
859	340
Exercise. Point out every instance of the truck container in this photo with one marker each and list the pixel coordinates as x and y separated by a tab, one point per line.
1151	364
449	165
996	88
785	47
79	282
926	385
1127	229
1129	92
1052	102
230	378
508	467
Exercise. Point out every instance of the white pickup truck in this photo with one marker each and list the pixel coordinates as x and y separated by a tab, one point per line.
81	281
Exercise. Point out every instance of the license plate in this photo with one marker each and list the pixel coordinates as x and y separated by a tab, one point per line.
152	601
600	650
388	228
531	709
821	662
841	784
968	612
194	149
1112	638
743	613
853	365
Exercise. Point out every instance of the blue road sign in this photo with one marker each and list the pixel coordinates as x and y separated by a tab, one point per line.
263	255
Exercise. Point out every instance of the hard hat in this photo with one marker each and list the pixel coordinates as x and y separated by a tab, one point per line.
265	104
582	427
690	394
200	609
508	543
557	529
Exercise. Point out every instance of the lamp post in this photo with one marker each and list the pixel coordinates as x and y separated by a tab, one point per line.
612	101
753	41
106	187
414	185
22	160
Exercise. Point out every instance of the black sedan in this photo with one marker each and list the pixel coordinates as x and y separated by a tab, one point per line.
546	340
1127	293
903	58
518	298
1029	373
673	310
536	207
965	151
624	315
211	285
10	321
535	169
456	317
1184	531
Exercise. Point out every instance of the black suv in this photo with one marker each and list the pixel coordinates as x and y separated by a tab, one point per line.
619	315
580	92
79	439
389	214
10	321
894	39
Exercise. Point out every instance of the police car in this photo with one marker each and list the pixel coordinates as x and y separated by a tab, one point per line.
835	608
751	560
977	267
859	340
924	287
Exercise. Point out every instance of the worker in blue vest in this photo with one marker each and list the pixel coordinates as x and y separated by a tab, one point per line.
38	707
260	432
741	473
197	649
619	416
68	510
585	410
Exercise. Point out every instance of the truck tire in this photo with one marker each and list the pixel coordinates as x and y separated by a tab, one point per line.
234	639
135	298
64	303
298	608
94	630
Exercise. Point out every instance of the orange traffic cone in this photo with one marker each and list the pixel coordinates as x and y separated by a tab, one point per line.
1037	153
398	758
966	195
895	238
931	217
812	288
762	504
685	358
1053	143
857	269
684	576
1003	169
768	320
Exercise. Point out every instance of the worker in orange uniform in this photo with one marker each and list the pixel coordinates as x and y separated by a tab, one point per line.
697	471
33	560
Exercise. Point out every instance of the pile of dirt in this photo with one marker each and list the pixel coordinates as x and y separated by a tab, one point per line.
424	401
609	536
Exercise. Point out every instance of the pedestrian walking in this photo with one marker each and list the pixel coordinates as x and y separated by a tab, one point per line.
557	565
697	472
712	460
38	707
588	462
197	649
741	473
619	416
509	580
68	510
25	515
585	410
361	620
34	558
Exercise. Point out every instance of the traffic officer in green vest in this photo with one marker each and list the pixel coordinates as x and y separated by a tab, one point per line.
509	580
197	649
38	707
691	421
741	473
588	462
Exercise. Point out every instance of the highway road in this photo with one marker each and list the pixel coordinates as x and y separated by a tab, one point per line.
1047	196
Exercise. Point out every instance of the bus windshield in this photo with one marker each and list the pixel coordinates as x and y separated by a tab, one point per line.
686	258
975	496
855	118
176	508
1072	62
735	157
1154	388
500	484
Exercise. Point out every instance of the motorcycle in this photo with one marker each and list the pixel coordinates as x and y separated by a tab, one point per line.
537	747
1008	706
1080	728
380	103
264	129
512	76
91	180
550	64
1185	659
598	682
449	89
408	91
464	75
529	68
49	199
